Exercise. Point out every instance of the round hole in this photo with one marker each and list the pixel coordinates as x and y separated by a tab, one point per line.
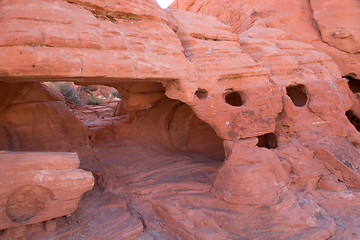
201	93
268	141
234	99
297	94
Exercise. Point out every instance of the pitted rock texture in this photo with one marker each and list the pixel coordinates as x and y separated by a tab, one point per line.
245	131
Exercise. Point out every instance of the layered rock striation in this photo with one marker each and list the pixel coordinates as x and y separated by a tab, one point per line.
331	27
237	131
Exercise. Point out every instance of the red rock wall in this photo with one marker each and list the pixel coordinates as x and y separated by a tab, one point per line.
269	84
332	27
34	118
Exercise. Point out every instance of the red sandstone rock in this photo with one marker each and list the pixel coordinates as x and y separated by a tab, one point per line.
233	72
50	225
91	39
36	187
331	27
32	117
338	24
265	93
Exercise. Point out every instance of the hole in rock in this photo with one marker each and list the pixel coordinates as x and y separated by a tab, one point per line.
268	140
201	93
234	99
146	143
297	94
89	103
354	120
141	112
354	84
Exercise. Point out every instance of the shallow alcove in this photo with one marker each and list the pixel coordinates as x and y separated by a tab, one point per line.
234	99
354	84
190	134
201	93
268	140
171	125
354	120
298	94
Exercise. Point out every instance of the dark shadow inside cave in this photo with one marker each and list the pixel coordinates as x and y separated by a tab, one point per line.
298	95
268	140
354	120
354	84
234	99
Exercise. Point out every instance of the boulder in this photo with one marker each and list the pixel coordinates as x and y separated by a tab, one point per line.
40	186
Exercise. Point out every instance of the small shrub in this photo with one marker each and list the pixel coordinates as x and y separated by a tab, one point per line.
84	89
67	89
115	94
92	100
70	94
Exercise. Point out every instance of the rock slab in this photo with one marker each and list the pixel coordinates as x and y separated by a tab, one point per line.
36	186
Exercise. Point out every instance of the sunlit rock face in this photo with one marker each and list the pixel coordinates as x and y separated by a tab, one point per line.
239	129
331	27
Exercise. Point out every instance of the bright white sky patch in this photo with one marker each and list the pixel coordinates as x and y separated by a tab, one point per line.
164	3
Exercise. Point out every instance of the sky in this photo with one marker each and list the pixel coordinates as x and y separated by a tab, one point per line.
164	3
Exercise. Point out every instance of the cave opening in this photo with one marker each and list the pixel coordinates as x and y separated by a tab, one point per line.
167	123
150	144
89	103
141	112
234	99
83	94
354	84
298	94
353	119
268	140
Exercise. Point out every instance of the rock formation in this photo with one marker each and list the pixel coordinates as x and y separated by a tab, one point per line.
242	130
331	27
40	186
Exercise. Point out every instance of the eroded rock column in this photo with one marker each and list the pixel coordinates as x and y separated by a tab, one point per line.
236	97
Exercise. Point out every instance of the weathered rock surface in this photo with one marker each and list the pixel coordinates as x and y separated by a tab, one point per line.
245	131
332	27
95	40
33	118
37	186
